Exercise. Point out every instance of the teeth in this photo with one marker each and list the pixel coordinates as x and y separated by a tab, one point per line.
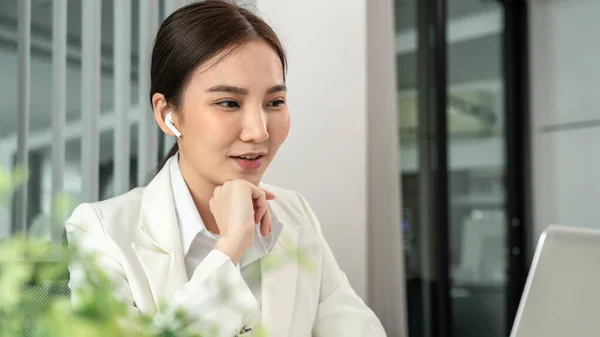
249	157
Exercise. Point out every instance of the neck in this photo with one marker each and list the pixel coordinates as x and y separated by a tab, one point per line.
202	191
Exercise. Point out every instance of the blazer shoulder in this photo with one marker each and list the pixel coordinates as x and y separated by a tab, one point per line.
292	207
111	214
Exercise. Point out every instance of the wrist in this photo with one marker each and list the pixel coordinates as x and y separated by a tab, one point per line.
230	247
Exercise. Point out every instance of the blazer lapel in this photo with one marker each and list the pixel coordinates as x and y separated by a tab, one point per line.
158	245
279	273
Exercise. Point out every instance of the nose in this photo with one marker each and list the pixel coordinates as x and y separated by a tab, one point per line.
254	126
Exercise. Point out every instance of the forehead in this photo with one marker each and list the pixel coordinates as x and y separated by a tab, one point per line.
252	64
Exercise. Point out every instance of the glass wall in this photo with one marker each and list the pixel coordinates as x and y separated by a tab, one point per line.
477	166
452	76
60	121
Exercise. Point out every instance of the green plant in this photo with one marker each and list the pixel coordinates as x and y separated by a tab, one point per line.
11	180
34	301
27	266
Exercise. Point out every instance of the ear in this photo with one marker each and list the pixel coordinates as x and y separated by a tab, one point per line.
161	109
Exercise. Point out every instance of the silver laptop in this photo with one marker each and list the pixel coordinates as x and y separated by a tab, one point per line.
562	293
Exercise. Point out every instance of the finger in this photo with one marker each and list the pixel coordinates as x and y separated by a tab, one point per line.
265	224
260	208
269	195
258	192
259	198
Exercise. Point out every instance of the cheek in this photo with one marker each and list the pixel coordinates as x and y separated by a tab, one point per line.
279	126
211	129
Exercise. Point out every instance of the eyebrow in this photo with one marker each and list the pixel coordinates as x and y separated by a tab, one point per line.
277	88
242	91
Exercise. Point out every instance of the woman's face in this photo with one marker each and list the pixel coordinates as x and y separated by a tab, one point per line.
234	115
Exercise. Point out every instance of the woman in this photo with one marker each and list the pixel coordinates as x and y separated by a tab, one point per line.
205	221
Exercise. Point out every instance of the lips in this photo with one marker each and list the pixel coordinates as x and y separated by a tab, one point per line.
249	161
249	157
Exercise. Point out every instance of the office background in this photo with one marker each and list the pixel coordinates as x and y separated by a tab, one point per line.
455	131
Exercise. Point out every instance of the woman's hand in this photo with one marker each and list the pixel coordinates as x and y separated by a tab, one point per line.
237	206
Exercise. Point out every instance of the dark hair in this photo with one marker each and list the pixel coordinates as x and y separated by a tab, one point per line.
193	35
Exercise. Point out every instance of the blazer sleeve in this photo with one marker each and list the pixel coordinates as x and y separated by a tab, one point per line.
198	296
341	312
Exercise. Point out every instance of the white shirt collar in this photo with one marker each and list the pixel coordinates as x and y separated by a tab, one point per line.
191	224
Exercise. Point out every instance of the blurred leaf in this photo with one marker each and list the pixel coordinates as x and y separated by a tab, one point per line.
63	204
305	260
270	262
10	180
12	277
5	184
259	332
19	176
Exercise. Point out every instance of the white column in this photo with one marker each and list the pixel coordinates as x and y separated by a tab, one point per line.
386	279
122	76
171	6
90	98
148	131
59	106
24	52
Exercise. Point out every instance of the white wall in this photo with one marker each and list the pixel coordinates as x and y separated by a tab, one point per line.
565	89
386	277
342	152
324	157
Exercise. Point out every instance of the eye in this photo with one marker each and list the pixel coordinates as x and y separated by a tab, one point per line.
276	103
229	104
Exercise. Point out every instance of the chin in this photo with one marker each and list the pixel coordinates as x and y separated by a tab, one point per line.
253	178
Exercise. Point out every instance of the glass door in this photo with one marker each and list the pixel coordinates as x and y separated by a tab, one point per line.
462	121
477	165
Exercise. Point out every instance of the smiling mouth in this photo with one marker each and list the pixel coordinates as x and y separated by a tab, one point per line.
249	157
250	161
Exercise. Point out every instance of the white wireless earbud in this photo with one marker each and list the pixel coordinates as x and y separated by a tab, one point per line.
171	126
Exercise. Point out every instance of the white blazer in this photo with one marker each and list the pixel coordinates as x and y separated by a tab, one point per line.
136	239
